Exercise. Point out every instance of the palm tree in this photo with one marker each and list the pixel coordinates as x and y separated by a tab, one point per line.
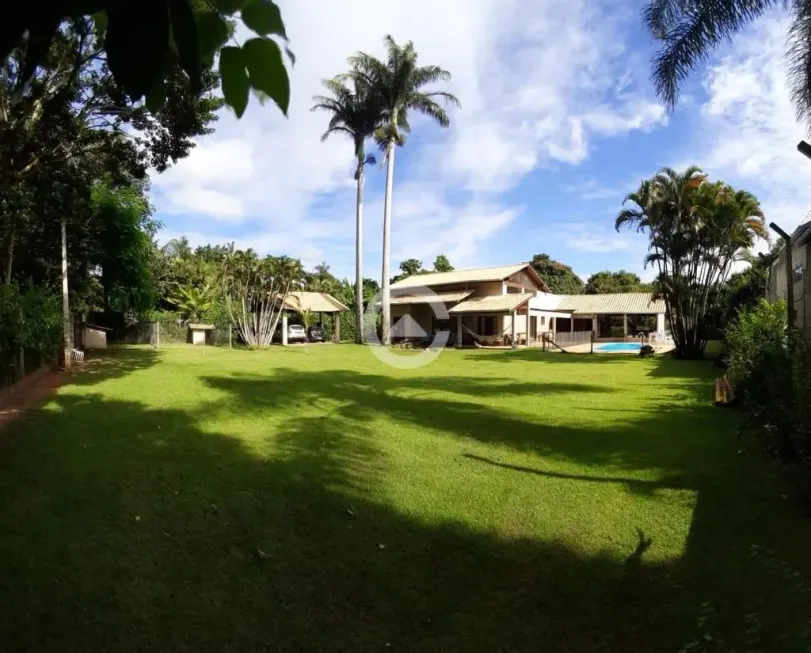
691	29
356	114
193	302
696	231
398	85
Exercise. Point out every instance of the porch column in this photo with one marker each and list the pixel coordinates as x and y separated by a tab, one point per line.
512	327
458	331
336	336
625	324
529	320
571	323
284	328
554	324
594	325
660	323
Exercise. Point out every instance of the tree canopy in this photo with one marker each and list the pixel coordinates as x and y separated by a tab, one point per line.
442	264
560	278
604	282
145	44
696	230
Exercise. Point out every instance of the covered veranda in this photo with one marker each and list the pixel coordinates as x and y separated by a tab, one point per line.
612	317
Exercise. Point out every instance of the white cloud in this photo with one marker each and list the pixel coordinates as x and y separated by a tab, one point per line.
594	237
591	189
536	80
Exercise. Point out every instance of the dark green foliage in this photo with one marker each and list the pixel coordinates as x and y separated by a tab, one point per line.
442	264
137	41
235	83
409	268
601	283
29	319
770	369
141	55
263	58
560	278
121	230
264	18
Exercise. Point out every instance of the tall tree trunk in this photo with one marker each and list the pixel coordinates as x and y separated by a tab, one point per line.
12	236
67	334
385	294
359	255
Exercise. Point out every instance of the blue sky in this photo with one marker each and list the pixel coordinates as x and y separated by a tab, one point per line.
558	122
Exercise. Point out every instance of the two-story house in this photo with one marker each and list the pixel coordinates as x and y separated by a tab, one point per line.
511	304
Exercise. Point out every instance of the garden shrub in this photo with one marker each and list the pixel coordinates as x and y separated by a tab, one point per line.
29	319
769	369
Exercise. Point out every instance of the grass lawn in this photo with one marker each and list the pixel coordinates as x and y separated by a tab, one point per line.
296	500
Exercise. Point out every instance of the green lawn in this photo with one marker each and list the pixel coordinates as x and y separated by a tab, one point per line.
296	500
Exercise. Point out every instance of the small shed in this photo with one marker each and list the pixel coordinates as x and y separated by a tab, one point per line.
199	333
94	336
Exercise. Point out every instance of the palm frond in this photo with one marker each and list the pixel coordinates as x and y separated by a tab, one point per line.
799	60
694	29
659	15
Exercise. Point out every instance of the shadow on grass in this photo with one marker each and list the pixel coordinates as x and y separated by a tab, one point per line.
662	440
114	362
166	536
680	482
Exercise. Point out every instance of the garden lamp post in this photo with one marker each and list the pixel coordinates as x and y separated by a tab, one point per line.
789	263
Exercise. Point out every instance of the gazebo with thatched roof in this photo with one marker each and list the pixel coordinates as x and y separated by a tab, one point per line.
315	302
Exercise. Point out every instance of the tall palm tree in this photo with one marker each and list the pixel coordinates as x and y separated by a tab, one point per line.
356	114
691	29
398	85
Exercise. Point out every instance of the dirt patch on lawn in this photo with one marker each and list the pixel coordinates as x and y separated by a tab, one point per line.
29	393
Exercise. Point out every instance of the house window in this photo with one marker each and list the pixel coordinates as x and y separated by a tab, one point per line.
543	320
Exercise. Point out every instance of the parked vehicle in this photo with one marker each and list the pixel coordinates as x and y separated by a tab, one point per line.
295	333
316	333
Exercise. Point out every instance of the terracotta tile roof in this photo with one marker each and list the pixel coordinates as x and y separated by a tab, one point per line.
491	304
633	303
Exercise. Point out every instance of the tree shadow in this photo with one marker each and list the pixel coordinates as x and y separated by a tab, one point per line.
642	486
114	362
661	439
164	534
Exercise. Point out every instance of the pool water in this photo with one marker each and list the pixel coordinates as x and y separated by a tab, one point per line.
619	346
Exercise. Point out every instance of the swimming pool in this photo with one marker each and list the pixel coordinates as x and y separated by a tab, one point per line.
619	347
